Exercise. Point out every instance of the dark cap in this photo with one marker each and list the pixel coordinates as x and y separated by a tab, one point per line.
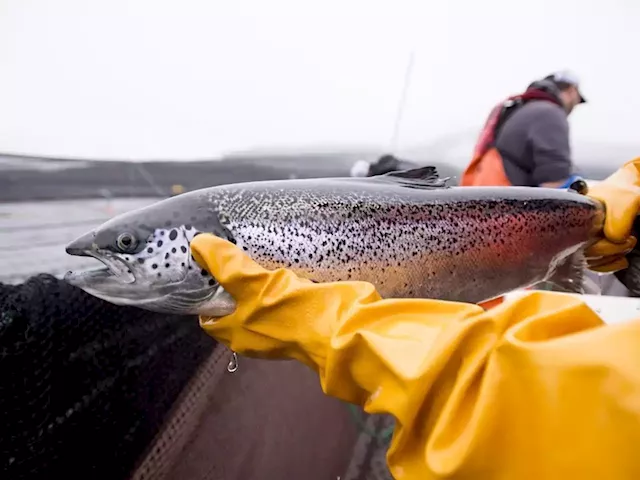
566	79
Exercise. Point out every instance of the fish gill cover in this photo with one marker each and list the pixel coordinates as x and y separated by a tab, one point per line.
85	385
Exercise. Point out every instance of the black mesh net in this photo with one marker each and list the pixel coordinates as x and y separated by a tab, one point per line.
86	385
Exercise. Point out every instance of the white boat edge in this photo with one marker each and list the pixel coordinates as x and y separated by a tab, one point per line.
612	309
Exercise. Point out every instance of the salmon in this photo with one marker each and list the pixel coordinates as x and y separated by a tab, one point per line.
409	233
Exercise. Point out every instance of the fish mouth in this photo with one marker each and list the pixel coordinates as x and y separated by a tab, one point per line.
115	269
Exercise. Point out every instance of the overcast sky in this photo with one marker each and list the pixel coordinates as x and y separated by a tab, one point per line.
182	79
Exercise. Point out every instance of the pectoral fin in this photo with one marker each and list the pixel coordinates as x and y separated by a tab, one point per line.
220	304
570	276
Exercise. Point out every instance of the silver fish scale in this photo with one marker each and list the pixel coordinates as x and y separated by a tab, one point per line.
428	244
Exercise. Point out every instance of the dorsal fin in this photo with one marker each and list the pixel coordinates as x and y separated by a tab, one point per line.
422	177
427	173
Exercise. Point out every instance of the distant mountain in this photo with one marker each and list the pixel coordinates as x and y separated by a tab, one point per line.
24	178
28	178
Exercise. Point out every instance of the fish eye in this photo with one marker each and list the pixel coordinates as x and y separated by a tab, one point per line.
126	242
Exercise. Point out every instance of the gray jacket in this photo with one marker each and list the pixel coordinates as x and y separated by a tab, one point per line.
534	142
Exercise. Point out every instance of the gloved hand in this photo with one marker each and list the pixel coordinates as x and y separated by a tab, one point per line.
475	393
620	194
276	309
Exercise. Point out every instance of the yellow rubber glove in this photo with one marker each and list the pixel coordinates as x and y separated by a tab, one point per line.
537	388
620	194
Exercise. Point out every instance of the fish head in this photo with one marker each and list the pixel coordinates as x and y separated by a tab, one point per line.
148	263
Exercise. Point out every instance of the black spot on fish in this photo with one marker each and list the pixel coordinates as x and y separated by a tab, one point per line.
141	260
173	234
189	227
154	266
190	267
212	282
162	233
128	271
166	265
159	274
184	249
159	243
149	250
166	255
182	264
173	250
204	273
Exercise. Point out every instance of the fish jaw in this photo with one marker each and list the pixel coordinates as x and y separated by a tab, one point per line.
116	268
102	283
115	280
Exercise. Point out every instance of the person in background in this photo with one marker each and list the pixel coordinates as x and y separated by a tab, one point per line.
537	388
525	140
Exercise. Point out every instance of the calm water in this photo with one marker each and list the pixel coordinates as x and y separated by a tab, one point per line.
33	235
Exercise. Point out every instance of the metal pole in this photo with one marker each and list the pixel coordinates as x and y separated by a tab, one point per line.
402	102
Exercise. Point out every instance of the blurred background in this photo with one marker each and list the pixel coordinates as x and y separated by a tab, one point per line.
107	106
